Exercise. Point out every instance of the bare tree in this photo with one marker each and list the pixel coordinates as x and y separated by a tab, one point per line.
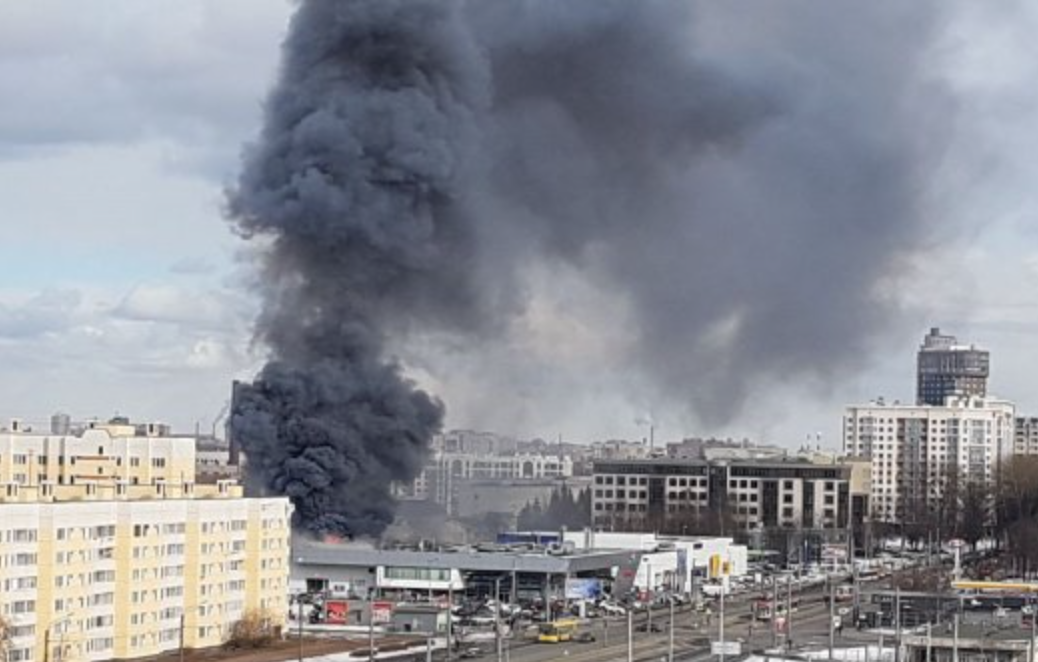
1016	523
5	639
257	628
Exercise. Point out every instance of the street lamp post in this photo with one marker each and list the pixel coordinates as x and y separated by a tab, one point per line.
670	641
497	619
630	636
832	616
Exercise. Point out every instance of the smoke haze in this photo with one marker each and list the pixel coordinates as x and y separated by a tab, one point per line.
742	187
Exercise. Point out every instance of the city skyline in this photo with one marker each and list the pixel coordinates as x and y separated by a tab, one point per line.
122	293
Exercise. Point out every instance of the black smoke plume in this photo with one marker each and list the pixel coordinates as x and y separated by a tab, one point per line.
740	176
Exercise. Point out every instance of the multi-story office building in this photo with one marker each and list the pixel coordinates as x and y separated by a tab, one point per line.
915	450
1025	436
98	563
755	494
945	368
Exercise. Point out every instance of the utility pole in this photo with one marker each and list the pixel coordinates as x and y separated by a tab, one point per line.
692	601
789	612
450	616
630	636
1034	626
371	625
670	642
832	617
955	637
775	611
497	619
897	624
720	625
299	627
649	594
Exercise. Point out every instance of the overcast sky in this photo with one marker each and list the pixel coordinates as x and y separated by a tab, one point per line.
124	291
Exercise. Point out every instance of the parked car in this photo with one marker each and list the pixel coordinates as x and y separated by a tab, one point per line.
611	608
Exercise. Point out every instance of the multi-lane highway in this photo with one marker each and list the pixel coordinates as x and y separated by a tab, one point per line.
693	633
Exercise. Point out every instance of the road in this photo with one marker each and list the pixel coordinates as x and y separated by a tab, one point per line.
692	635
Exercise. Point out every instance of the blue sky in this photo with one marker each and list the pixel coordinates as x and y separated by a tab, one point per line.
123	290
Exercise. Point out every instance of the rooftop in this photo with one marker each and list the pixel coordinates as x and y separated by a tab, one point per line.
989	635
12	493
494	558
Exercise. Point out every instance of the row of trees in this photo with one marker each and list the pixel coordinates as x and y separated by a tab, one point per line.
562	510
688	522
1005	511
1017	512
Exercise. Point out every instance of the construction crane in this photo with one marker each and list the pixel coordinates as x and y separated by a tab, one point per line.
220	416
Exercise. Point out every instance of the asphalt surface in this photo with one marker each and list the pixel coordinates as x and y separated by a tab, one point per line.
693	633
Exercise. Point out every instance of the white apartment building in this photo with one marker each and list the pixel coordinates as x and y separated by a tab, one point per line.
913	449
1025	440
103	557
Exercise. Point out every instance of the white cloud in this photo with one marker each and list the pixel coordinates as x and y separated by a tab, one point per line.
125	71
46	313
169	304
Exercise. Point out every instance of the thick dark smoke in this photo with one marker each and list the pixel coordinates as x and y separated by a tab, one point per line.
742	190
356	180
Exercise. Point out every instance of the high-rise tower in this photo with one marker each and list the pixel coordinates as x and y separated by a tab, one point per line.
946	368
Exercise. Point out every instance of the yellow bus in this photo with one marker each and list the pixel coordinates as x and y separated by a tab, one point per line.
557	631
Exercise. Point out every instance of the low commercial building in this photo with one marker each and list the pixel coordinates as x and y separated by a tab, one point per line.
425	619
974	643
352	571
669	563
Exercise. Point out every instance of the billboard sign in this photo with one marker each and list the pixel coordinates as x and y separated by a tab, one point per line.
726	648
583	589
336	612
381	612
